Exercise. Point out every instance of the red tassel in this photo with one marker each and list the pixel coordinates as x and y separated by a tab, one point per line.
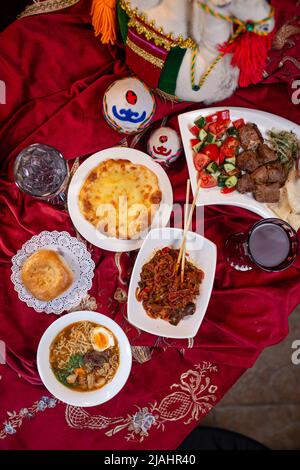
250	52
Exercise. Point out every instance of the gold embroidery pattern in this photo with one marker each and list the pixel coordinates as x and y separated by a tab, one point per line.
195	395
87	303
283	34
46	7
141	354
145	55
120	295
150	34
140	22
289	59
118	264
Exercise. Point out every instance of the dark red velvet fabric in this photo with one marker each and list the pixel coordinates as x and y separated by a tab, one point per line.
56	73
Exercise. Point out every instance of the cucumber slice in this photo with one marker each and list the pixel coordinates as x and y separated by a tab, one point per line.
200	122
228	167
216	174
197	147
202	134
231	182
210	138
222	180
212	168
232	131
231	160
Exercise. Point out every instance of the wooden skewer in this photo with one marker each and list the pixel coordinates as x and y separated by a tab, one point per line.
186	211
186	228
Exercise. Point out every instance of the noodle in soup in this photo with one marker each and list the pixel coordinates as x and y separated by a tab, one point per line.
84	356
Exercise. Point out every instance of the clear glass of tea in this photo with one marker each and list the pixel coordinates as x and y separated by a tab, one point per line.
41	171
271	245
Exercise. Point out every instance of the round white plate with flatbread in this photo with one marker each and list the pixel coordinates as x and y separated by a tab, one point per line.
86	229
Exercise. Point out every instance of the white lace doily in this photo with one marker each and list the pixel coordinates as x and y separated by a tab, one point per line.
76	256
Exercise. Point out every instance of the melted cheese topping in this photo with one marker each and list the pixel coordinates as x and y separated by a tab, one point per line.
120	198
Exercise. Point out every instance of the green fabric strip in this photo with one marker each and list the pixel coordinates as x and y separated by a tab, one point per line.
123	19
168	78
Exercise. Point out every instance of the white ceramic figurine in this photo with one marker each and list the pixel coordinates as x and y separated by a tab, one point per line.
190	49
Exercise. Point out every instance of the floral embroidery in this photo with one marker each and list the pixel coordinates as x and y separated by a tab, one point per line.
194	396
143	420
120	295
15	420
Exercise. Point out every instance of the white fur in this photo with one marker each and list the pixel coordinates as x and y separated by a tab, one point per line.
220	85
171	15
185	17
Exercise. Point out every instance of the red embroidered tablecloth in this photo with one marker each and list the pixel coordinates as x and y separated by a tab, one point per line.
55	73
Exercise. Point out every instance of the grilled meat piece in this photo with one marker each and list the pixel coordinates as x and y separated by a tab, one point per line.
277	173
250	136
270	173
266	154
267	192
260	176
96	358
245	184
247	161
179	314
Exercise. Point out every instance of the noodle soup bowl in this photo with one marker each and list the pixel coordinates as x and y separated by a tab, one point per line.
75	397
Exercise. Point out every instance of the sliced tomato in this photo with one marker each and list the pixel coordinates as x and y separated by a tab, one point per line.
227	152
212	118
218	128
232	142
194	142
228	190
223	115
213	128
212	151
201	161
222	157
195	131
219	116
238	123
229	147
206	180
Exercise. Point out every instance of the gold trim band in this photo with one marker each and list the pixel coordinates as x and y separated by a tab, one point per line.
145	55
151	31
46	7
149	34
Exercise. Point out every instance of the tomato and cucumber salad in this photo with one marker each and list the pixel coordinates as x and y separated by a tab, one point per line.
215	145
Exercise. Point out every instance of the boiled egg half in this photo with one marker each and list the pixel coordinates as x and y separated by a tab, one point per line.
102	338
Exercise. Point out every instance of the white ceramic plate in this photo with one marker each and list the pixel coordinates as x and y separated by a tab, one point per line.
202	252
77	258
87	230
64	393
265	121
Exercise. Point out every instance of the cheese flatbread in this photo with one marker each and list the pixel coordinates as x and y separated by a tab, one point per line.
120	198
